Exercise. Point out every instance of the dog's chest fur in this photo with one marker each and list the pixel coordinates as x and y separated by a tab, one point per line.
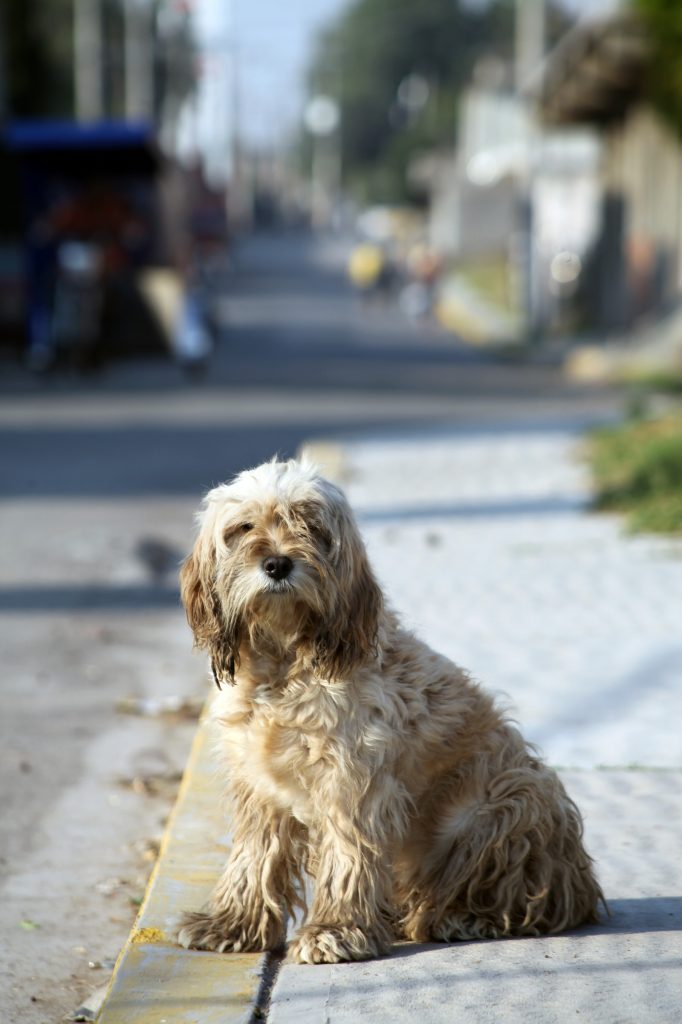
299	742
285	740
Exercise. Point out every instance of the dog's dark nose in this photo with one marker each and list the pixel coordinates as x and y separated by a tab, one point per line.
277	567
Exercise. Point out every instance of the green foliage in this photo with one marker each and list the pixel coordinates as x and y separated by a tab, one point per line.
638	470
373	46
644	384
663	19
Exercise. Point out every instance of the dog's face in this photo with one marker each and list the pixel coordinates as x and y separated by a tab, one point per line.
279	558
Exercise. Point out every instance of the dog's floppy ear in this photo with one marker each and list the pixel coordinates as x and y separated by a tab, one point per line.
204	613
349	636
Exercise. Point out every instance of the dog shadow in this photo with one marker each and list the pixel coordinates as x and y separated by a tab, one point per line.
626	917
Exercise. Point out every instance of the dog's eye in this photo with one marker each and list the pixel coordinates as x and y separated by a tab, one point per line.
234	531
323	536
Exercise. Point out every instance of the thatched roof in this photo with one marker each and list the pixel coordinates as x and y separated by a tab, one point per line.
594	73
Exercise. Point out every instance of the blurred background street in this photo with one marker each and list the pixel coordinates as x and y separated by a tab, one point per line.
100	482
443	237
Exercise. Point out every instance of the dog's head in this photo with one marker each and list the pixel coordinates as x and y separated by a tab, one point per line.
279	560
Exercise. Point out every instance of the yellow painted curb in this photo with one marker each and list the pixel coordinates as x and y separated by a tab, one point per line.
155	980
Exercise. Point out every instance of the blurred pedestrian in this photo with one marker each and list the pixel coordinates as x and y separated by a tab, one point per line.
367	268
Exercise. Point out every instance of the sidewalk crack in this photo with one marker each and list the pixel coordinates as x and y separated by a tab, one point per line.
272	961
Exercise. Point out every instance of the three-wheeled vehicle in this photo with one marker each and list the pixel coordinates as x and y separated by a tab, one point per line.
97	233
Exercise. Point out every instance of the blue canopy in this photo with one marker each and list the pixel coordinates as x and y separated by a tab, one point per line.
35	135
81	150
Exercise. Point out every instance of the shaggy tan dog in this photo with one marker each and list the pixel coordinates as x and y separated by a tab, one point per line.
356	753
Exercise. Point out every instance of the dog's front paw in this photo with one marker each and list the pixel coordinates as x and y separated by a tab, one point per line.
317	944
209	931
220	933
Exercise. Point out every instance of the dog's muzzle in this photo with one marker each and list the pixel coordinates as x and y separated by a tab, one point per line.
277	567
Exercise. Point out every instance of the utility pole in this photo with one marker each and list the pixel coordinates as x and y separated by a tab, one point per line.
323	120
529	50
239	170
239	187
529	43
87	56
139	59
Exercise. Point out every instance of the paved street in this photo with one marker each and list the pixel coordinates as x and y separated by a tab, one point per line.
99	478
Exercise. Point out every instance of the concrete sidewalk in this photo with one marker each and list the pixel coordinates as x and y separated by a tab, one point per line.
483	543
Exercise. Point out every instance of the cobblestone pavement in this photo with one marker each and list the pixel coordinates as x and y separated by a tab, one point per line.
485	545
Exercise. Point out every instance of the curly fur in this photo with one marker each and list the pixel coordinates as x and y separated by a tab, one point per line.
357	754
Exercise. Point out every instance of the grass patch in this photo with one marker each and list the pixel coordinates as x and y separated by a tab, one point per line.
490	278
666	382
637	468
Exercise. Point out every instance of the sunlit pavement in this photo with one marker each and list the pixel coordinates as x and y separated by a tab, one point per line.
94	469
492	555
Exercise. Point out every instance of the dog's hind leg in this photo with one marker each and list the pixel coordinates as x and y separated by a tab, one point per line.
512	863
260	885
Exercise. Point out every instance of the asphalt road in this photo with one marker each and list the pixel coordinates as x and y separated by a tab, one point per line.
99	478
